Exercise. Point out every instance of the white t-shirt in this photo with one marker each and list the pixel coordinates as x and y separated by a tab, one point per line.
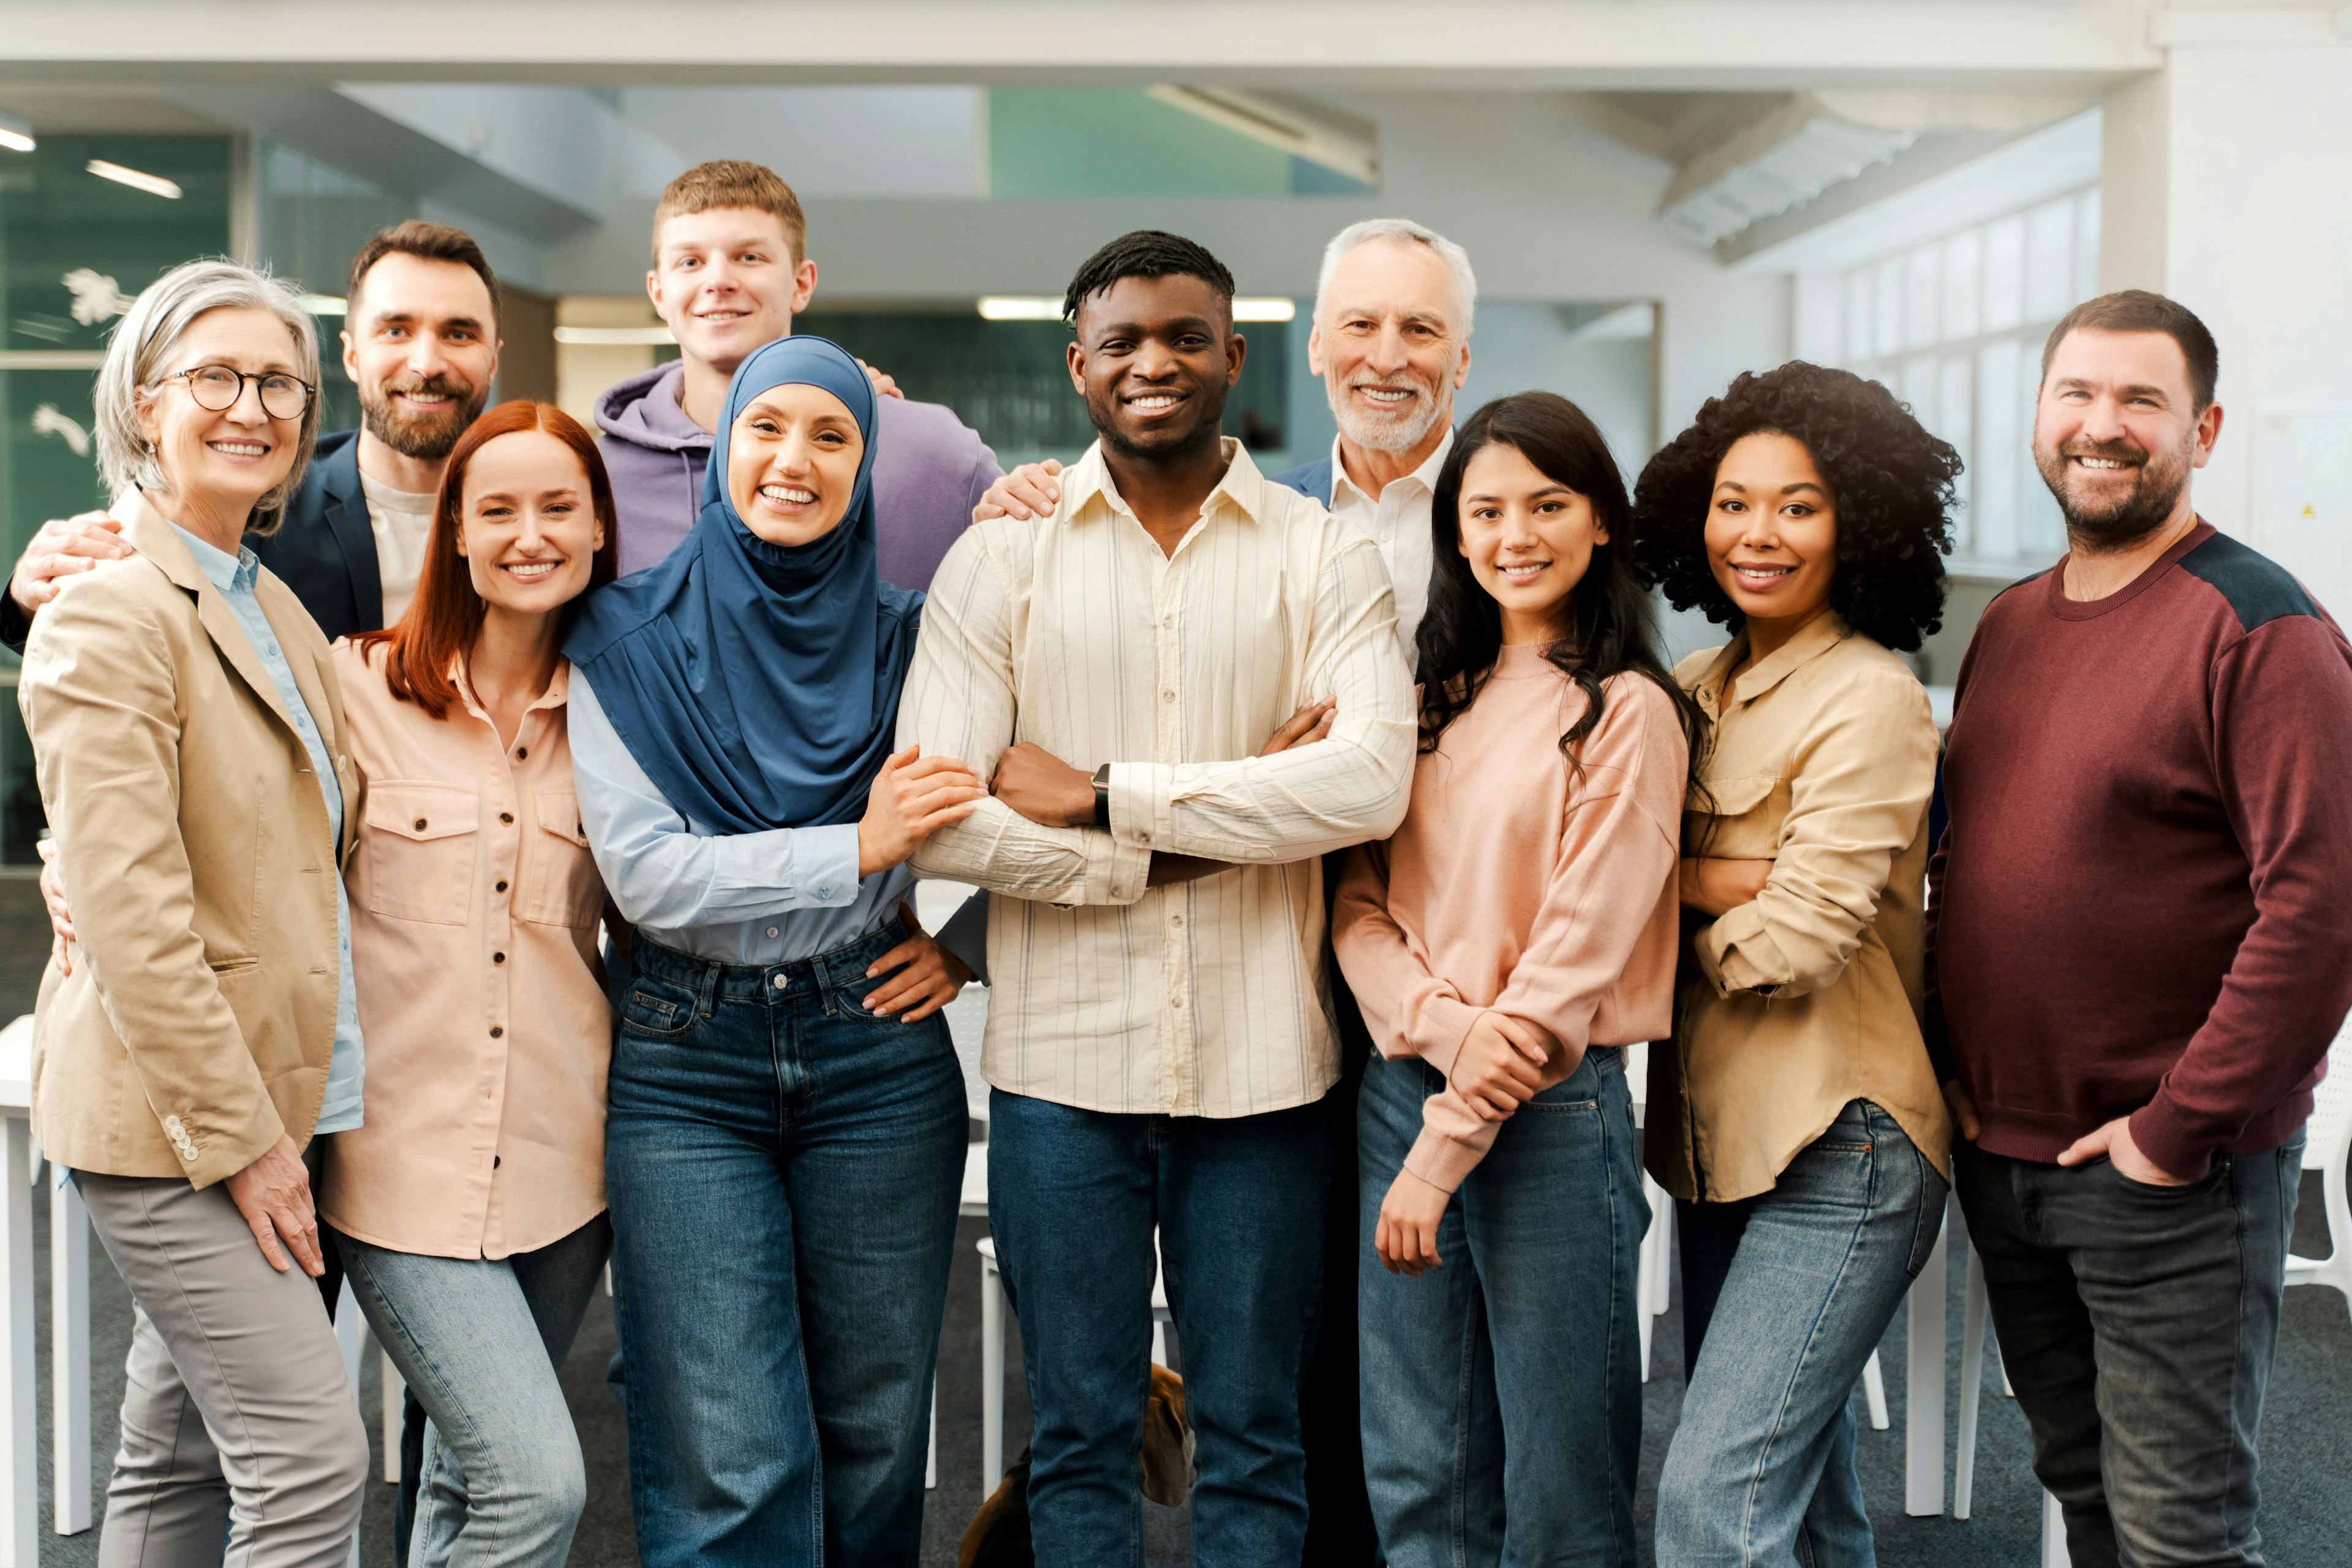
401	521
1399	523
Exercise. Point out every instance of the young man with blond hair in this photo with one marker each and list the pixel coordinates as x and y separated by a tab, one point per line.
729	272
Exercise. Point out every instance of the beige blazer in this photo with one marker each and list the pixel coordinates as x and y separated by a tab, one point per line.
1820	759
193	841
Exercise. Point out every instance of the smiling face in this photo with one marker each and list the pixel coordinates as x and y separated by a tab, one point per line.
226	461
2117	432
725	281
1155	358
1388	345
1771	528
527	523
421	345
1528	540
792	463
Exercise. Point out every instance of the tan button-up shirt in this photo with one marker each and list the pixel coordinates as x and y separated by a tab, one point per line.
474	910
1822	760
1201	998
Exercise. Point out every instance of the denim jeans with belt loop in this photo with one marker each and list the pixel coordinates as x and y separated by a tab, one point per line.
1785	1295
783	1169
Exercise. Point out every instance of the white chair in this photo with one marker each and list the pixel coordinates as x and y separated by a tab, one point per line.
992	1354
973	1204
2330	1133
1975	1345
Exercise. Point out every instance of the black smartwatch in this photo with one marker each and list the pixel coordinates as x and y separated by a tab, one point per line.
1102	797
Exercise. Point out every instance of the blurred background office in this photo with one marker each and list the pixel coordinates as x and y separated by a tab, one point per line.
1656	196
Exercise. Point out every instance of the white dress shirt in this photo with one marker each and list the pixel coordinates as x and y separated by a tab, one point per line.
1201	998
1399	523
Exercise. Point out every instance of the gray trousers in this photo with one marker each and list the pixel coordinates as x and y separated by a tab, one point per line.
242	1442
2137	1325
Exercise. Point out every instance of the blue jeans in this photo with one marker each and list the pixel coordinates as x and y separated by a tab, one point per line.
2138	1325
1502	1391
480	1342
1072	1198
1785	1294
783	1169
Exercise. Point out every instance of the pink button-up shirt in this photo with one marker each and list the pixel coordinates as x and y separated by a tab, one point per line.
474	910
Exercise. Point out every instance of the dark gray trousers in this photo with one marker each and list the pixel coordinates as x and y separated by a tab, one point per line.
2137	1325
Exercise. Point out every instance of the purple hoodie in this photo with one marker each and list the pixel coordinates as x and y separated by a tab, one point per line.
930	474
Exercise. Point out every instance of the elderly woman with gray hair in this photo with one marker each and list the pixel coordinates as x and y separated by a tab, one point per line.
189	739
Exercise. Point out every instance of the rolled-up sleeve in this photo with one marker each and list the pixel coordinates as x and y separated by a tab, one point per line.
1859	785
960	702
662	874
1344	789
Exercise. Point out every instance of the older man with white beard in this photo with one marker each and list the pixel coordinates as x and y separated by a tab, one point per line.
1392	343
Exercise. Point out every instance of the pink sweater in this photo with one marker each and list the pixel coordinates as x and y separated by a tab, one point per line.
1514	886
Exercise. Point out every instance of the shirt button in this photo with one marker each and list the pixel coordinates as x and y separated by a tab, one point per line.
495	1161
497	1032
507	818
771	930
1167	697
420	825
498	958
502	886
1175	919
780	983
522	752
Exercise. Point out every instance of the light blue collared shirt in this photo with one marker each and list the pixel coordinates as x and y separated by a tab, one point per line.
737	898
234	575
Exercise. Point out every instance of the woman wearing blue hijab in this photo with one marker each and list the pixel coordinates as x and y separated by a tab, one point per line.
786	1135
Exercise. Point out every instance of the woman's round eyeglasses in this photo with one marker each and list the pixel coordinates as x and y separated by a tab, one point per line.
216	388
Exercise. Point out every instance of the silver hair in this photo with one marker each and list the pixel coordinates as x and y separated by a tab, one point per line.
1456	259
144	341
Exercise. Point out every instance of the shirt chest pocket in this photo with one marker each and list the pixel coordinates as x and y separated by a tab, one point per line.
559	885
418	852
1746	814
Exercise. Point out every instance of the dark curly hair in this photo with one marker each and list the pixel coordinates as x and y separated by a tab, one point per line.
1890	480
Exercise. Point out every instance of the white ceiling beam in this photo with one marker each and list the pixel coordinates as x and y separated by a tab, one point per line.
1345	146
1303	45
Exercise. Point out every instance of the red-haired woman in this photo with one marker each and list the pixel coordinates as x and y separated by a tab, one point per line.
470	1208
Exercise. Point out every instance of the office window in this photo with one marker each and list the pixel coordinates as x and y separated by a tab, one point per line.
1955	326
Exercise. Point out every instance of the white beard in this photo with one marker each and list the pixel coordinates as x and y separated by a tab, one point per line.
1399	432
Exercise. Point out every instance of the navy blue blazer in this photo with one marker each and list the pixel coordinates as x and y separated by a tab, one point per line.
324	548
1312	480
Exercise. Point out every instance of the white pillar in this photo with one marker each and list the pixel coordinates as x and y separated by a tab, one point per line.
2224	185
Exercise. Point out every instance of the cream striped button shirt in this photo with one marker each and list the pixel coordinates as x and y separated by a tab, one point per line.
1201	998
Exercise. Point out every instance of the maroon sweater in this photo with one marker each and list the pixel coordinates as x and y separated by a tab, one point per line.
2143	904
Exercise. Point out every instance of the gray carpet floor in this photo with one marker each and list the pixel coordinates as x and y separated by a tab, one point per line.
2307	1429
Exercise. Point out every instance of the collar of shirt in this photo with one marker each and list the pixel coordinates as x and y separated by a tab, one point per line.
1243	486
1344	488
558	692
229	574
1815	638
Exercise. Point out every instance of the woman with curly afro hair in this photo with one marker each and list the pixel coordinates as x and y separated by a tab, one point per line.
1794	1116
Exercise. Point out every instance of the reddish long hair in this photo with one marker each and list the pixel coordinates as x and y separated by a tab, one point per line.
446	616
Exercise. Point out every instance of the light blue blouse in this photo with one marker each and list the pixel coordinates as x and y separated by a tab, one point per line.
234	575
742	897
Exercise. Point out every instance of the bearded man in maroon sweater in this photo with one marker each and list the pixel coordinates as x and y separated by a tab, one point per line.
2141	949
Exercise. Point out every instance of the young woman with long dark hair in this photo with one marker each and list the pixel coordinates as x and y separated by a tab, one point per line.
470	1209
1794	1115
1516	932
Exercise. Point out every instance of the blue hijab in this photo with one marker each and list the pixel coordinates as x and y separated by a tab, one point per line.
757	684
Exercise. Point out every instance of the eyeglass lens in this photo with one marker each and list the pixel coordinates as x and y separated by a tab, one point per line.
216	389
